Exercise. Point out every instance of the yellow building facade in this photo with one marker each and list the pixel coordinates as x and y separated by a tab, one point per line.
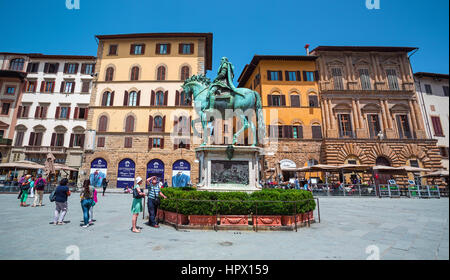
290	96
137	104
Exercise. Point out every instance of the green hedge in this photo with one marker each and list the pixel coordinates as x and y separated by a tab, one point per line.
237	203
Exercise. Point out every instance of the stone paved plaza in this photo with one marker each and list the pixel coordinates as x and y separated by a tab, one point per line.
402	229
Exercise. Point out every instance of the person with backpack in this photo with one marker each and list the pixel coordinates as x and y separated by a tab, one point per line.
61	194
39	185
136	206
25	188
86	196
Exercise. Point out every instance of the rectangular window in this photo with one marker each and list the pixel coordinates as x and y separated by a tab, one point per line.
295	100
85	87
82	112
297	132
428	89
162	48
101	142
71	68
345	126
257	80
33	67
112	50
445	89
392	79
316	132
403	127
49	86
413	163
137	49
313	101
437	127
186	48
274	75
69	87
291	76
337	78
365	79
308	76
374	125
59	140
23	111
5	108
31	86
51	68
19	138
156	142
88	69
276	100
77	140
10	90
128	142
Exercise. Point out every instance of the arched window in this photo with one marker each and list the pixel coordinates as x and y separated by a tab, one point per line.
132	99
109	74
184	72
129	124
161	76
107	98
103	124
17	64
135	73
382	161
158	123
159	98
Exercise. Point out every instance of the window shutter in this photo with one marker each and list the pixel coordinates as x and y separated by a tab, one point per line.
37	112
76	68
177	98
86	112
132	49
168	48
52	143
53	86
143	49
112	99
286	75
66	66
150	123
125	99
104	98
150	143
158	47
399	126
269	99
283	100
316	75
57	112
31	141
82	141
166	95
68	113
300	132
19	111
73	87
71	140
162	143
280	75
138	99
164	124
269	78
83	68
152	98
299	78
56	67
42	86
75	115
175	124
62	86
180	48
191	48
46	66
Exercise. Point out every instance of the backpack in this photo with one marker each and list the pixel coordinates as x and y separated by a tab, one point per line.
136	193
40	183
52	196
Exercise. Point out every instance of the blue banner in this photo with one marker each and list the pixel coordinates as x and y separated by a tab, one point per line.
155	167
125	173
181	173
98	171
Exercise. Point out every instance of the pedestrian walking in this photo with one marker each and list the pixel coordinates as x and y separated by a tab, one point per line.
62	192
32	187
154	192
136	206
104	185
87	200
25	188
39	185
91	210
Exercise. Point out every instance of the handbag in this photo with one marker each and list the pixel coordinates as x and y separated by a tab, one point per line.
136	193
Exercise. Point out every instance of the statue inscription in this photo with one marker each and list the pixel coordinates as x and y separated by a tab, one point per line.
229	172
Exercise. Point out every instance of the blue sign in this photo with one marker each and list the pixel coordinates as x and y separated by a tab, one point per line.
155	167
98	171
99	163
181	173
125	173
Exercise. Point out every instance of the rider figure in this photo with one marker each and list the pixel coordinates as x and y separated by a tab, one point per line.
224	82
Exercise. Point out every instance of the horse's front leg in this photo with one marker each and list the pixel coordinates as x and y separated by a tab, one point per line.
204	128
243	128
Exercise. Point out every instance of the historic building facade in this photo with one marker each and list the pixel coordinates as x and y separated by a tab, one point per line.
53	111
433	97
12	81
137	104
290	96
370	109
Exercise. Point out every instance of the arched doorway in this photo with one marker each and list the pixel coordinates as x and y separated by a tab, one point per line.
99	169
382	177
155	167
125	173
181	173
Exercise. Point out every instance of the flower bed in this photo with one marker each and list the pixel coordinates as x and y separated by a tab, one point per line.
269	207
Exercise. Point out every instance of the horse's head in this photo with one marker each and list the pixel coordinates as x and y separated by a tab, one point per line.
194	85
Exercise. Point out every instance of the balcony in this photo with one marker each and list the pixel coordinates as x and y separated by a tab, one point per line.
5	141
41	150
374	87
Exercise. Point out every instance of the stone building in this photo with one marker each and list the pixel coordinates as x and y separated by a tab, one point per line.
137	104
53	111
370	109
290	97
433	97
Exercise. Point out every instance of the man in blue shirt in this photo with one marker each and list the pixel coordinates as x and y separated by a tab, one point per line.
154	191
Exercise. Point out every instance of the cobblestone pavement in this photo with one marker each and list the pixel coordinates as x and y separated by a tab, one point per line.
349	229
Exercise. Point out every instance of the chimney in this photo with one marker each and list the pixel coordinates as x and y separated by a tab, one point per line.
307	49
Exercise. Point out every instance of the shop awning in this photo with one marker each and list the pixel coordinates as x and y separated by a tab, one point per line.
437	174
23	164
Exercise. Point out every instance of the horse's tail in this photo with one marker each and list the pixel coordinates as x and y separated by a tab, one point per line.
260	118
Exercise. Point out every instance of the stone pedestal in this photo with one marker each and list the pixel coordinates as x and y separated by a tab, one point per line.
220	173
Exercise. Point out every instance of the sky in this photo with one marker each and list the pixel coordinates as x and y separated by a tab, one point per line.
241	28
